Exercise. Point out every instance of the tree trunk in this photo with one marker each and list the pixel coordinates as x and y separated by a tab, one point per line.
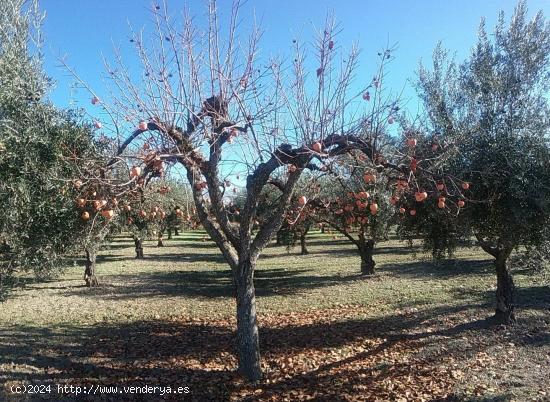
366	248
139	247
160	242
505	290
248	344
322	228
169	234
303	243
89	271
176	232
278	240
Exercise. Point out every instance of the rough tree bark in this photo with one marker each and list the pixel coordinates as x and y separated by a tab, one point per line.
160	243
176	232
248	343
366	248
139	247
303	245
303	235
505	294
506	290
89	271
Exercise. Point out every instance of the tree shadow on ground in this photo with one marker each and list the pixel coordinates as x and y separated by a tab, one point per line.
439	269
200	355
212	283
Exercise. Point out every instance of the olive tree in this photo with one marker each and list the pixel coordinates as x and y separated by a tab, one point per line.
495	107
38	222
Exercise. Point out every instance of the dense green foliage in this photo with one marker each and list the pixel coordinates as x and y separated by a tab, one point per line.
40	152
494	106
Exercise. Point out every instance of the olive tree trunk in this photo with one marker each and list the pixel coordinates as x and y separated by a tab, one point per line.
248	344
89	270
505	293
139	247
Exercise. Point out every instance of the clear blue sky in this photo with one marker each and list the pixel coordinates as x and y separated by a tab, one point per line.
85	29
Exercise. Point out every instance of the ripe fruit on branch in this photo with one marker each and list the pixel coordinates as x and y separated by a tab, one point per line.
369	178
440	186
420	196
373	208
77	184
366	96
85	215
412	212
411	142
142	125
441	204
128	208
465	185
97	124
291	169
442	199
317	147
302	200
402	210
135	171
81	202
143	214
461	203
363	195
95	100
107	213
393	200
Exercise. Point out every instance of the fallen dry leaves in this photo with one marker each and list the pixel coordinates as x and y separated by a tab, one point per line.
324	355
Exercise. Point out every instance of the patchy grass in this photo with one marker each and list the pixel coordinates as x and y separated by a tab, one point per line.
415	331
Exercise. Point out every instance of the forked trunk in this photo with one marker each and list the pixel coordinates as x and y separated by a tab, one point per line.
248	344
505	291
89	271
366	248
139	247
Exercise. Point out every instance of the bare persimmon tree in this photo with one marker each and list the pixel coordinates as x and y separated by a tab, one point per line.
207	101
